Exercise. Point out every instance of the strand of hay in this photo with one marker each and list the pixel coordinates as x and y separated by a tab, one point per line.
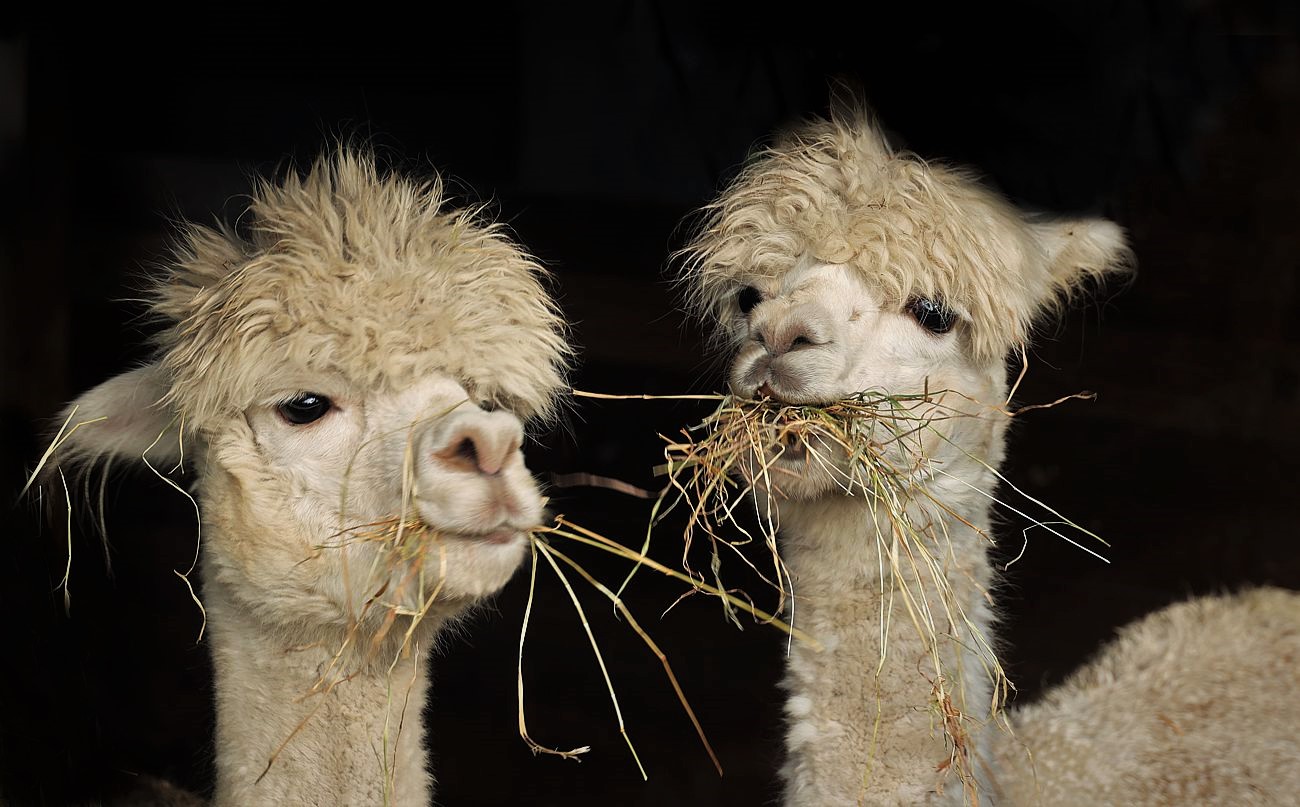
65	432
198	517
60	437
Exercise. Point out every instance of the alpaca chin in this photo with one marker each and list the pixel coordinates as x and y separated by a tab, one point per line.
478	566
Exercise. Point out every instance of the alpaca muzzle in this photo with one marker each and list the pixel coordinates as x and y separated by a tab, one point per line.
472	478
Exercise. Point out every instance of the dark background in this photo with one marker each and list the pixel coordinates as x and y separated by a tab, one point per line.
593	133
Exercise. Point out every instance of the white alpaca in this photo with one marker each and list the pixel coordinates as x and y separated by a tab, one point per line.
834	265
349	382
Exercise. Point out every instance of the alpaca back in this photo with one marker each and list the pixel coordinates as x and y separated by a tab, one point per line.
1192	705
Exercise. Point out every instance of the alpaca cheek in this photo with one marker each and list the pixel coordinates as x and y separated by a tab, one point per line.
450	501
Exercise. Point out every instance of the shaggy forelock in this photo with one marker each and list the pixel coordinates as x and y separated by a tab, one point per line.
836	192
356	272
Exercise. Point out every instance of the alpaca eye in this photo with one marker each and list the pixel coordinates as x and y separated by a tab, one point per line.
305	408
933	316
748	299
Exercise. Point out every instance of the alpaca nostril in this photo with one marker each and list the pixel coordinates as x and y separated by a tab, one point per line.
483	445
466	451
779	341
467	454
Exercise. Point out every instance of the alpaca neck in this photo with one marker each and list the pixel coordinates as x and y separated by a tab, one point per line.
360	743
866	714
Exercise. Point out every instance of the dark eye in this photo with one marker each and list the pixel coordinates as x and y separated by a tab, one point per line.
933	316
305	408
748	298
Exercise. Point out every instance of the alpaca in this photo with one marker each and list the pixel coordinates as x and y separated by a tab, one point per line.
349	375
834	265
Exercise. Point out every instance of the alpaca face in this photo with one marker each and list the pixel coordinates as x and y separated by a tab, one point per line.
332	360
389	497
821	333
834	264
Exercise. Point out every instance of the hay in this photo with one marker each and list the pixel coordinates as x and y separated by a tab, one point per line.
543	544
403	549
62	436
404	591
715	470
872	445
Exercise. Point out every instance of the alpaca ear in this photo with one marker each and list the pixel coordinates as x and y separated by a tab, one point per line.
124	417
1078	249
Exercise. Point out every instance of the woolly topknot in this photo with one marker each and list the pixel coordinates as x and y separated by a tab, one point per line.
836	192
362	274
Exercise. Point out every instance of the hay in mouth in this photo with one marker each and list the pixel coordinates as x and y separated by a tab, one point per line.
736	462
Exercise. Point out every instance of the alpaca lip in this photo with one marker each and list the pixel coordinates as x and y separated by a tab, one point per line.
499	537
767	391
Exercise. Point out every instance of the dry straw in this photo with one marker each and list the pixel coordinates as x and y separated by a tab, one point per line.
725	473
714	470
405	569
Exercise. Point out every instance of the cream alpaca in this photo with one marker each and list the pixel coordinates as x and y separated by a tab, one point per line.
834	265
364	356
823	265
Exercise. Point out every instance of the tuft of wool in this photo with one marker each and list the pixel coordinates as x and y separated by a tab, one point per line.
836	191
362	275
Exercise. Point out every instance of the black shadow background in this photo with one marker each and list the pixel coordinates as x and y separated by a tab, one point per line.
594	132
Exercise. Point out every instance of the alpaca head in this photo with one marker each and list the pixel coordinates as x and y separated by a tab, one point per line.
834	265
350	377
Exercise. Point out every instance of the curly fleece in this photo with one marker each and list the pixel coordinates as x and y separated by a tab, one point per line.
369	276
836	191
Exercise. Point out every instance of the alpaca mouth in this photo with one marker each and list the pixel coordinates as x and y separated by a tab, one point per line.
497	537
771	394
